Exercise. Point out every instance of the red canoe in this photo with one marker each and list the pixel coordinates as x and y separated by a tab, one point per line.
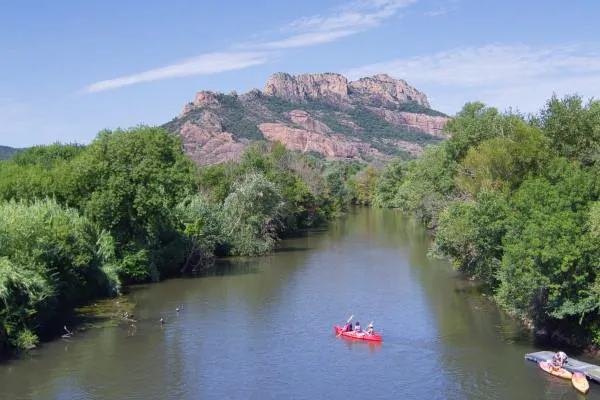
359	336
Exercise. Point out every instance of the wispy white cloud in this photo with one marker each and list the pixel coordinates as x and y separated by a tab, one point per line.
437	13
443	8
340	22
210	63
497	73
308	39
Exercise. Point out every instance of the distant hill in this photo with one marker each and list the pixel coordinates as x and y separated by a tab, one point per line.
372	118
7	152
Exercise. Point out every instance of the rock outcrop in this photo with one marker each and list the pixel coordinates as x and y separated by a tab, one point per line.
386	90
328	87
206	146
433	125
374	117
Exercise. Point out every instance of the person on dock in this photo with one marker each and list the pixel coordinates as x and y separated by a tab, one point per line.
559	359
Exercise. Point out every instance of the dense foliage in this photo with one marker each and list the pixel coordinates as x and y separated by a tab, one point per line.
79	222
513	201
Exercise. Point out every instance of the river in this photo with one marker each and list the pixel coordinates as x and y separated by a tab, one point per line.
263	329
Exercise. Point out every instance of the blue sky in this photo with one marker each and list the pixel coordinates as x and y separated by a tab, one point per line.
72	68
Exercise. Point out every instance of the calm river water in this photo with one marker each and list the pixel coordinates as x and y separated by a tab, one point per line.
263	329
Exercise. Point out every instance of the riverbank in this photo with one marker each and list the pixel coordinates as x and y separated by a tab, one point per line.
79	223
514	202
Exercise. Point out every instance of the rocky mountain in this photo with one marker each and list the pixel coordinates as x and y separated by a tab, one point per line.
376	117
7	152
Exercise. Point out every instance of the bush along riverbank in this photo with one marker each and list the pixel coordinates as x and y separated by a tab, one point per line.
513	201
79	223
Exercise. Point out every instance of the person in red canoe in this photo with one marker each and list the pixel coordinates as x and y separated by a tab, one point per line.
357	328
348	327
370	329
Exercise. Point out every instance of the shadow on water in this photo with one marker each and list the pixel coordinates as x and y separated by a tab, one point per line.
292	249
229	267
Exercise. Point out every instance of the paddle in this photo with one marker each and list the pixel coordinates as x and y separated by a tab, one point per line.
347	322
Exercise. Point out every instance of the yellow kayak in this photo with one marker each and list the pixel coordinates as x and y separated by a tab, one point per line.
556	371
580	382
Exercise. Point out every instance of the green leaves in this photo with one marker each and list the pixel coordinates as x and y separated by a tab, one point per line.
550	258
514	203
48	262
251	214
133	180
503	162
471	234
573	128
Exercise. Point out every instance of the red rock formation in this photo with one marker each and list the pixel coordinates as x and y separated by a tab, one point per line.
324	87
425	123
334	146
303	119
214	125
208	146
303	140
384	89
432	125
206	98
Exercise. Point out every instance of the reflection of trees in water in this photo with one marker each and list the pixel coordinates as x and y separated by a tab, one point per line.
118	352
230	267
470	326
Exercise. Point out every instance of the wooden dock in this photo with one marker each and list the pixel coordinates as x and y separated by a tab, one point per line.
590	370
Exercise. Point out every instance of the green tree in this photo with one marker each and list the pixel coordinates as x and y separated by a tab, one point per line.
503	162
200	223
471	233
388	182
474	124
428	185
50	261
549	258
251	215
129	181
365	185
573	128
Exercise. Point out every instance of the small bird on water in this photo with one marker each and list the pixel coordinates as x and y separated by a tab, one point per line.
68	334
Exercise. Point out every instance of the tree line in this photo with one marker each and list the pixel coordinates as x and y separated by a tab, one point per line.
79	223
513	201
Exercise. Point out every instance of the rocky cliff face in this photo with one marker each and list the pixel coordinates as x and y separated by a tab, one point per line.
376	117
335	89
328	87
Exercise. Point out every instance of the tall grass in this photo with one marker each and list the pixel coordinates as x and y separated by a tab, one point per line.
51	258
